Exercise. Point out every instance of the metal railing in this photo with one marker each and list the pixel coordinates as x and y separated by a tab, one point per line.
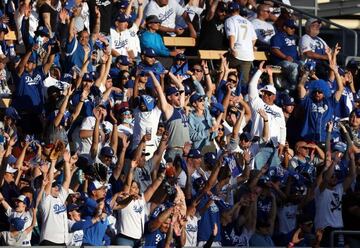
302	13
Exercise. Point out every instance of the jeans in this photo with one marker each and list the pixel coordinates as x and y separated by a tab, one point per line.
291	72
267	155
125	241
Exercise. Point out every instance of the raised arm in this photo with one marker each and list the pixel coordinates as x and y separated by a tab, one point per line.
129	177
334	68
61	112
95	134
253	90
208	79
178	82
301	85
352	169
69	162
153	187
140	13
164	105
121	158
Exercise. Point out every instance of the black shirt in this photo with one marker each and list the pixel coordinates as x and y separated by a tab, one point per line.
46	8
212	35
105	8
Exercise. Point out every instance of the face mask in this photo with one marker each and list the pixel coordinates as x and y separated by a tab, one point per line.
128	120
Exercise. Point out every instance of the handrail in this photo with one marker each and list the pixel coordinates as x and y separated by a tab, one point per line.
323	20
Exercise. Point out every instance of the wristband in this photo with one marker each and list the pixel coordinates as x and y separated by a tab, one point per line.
266	120
82	100
206	74
291	244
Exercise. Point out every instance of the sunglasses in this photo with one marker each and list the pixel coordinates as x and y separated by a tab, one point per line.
268	93
200	100
221	129
318	92
176	94
232	81
197	70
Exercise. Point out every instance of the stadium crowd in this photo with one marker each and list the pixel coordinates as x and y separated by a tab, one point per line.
113	138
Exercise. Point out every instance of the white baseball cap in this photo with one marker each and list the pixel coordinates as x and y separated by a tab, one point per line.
10	169
269	88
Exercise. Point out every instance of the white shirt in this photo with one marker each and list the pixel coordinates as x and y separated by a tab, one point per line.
75	238
191	230
126	130
277	125
143	120
264	30
54	218
328	207
307	43
120	41
89	124
27	216
131	219
244	33
167	14
134	41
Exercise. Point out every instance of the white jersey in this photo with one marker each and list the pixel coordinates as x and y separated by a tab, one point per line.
120	41
75	238
287	218
191	230
167	14
27	216
134	41
131	219
89	124
264	30
307	43
328	207
143	120
244	34
277	125
54	218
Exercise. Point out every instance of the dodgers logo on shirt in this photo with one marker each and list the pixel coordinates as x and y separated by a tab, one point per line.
138	209
33	81
166	15
290	42
102	3
158	238
319	109
120	43
268	110
59	208
191	228
335	202
214	208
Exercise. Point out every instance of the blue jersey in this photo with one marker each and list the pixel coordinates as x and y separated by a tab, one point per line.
154	239
207	221
156	68
317	114
95	235
264	206
75	54
28	94
286	44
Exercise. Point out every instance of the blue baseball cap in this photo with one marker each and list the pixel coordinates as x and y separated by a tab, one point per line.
288	101
72	207
107	151
122	18
12	113
341	71
17	223
194	153
195	97
233	6
88	77
339	146
123	4
149	52
95	185
149	102
24	199
210	158
123	60
218	107
32	58
42	31
290	23
245	136
171	90
356	112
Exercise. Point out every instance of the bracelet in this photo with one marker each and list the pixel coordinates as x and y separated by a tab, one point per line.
206	74
266	120
291	244
82	100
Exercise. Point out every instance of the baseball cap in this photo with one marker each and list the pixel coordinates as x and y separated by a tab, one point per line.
42	31
288	101
149	102
12	113
107	151
17	223
152	19
233	6
270	88
23	199
340	147
290	23
210	158
195	97
11	159
123	60
356	112
121	18
149	52
72	207
194	153
95	185
311	21
222	6
32	58
180	56
341	71
245	136
123	4
88	77
171	90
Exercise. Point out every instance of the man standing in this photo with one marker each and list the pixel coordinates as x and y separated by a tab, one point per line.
242	37
264	30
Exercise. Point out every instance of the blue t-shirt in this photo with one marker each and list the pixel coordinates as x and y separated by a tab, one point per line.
75	54
156	68
317	114
207	221
286	44
95	234
28	94
155	239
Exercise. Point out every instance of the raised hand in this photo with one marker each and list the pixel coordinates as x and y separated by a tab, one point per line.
263	114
